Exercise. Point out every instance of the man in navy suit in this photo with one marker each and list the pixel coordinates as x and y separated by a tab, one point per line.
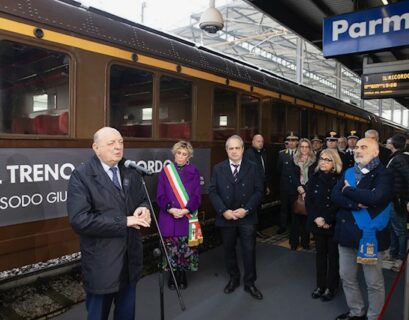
236	190
106	207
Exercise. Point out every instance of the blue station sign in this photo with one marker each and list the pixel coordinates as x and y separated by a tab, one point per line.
368	30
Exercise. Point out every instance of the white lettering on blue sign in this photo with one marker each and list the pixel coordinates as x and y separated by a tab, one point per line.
368	28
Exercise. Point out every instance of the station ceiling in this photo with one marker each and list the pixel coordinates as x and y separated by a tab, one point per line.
305	17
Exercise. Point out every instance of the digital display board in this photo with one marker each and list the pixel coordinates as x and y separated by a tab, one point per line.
385	85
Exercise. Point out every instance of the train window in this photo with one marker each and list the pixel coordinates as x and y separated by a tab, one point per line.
278	129
175	111
34	90
224	114
293	119
249	116
131	101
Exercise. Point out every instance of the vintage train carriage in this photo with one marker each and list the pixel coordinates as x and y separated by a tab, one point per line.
66	71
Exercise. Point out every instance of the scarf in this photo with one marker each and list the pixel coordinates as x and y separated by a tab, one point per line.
359	173
368	245
304	162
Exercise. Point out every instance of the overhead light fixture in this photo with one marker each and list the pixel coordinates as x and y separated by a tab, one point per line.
211	20
385	2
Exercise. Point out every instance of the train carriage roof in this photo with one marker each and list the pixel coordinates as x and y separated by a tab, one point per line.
95	24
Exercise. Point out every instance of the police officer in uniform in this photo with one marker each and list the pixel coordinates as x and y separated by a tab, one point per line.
317	143
288	189
332	143
349	152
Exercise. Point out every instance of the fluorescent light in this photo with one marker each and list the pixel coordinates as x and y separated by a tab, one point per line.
385	2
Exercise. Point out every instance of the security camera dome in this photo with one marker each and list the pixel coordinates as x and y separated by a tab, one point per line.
211	20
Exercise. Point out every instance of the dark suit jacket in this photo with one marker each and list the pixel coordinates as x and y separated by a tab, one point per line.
384	155
98	213
254	155
246	193
285	169
374	191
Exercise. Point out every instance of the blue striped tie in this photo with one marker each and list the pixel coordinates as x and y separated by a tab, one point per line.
115	178
236	171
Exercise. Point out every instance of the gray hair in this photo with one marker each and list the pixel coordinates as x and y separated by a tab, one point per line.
372	132
234	137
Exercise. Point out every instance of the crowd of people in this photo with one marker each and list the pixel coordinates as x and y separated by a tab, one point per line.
350	209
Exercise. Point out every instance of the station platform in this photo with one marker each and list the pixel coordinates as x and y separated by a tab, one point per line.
286	278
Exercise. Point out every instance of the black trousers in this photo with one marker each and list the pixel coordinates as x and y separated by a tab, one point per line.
286	201
247	236
298	231
327	262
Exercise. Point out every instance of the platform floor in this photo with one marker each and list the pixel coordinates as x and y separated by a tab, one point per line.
286	279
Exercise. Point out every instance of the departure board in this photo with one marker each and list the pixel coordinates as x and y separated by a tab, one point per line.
385	85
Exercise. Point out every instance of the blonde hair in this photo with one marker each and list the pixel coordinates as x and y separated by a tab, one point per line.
311	154
183	145
334	156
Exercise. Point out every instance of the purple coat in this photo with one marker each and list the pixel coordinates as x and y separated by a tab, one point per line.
169	226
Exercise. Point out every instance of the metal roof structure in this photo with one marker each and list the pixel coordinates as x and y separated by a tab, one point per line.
284	37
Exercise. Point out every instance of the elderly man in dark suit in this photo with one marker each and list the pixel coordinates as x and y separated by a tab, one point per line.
258	154
384	153
236	190
106	207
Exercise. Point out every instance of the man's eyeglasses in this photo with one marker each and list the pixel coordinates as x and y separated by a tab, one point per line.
326	160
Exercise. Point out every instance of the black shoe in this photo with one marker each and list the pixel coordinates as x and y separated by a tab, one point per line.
328	295
183	280
171	283
294	247
318	292
281	230
306	247
254	292
261	235
346	316
231	286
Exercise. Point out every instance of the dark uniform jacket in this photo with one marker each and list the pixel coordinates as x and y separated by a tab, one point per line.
285	168
349	159
246	193
97	210
399	166
384	155
318	201
374	191
255	155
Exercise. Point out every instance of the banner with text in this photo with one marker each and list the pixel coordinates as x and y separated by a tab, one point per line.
33	182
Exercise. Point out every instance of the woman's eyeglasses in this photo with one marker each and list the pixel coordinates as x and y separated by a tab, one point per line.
326	160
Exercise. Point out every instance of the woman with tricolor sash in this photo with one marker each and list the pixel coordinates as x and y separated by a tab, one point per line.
179	197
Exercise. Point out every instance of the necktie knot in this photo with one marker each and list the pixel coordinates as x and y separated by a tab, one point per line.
115	180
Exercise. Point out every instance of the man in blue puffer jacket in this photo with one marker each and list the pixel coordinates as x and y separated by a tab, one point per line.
364	196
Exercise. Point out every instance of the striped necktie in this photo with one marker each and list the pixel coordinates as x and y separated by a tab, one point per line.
115	180
235	171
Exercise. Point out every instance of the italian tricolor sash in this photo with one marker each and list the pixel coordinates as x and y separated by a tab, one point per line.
195	231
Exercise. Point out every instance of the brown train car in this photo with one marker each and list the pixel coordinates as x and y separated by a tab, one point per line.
66	71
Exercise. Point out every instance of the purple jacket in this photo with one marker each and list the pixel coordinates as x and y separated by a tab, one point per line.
169	226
